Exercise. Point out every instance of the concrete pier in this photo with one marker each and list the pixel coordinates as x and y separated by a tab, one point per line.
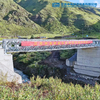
88	62
6	67
72	60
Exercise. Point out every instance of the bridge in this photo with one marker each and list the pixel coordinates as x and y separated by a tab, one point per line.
33	45
88	52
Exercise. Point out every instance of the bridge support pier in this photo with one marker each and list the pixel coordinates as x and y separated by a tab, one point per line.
6	67
88	62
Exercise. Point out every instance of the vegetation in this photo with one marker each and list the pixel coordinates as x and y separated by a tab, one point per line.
62	20
34	59
48	89
32	63
31	58
14	20
36	17
65	54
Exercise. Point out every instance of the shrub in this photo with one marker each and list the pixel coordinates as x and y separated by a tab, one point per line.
49	89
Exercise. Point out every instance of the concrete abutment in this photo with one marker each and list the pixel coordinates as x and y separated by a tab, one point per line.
6	67
88	62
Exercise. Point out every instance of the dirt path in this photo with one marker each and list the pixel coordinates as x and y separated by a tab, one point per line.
53	60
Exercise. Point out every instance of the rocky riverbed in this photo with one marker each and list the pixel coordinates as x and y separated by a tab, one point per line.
25	78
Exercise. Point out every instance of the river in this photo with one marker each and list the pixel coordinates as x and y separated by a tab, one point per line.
24	77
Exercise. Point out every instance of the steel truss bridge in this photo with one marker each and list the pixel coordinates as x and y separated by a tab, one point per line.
33	45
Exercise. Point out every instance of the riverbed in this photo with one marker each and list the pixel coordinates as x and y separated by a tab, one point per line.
25	78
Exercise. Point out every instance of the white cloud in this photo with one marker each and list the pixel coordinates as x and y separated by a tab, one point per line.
81	1
98	4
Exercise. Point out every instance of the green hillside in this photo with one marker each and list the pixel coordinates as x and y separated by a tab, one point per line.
62	20
14	20
27	17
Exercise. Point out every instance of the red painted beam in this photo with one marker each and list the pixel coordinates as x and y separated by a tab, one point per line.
52	43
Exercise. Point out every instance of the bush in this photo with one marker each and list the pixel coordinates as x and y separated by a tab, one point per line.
32	37
65	54
49	89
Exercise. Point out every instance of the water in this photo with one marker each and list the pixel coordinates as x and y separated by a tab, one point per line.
24	77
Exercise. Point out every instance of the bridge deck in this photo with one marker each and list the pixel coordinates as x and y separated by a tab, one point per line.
33	45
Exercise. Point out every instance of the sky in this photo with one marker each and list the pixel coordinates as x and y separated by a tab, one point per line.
86	1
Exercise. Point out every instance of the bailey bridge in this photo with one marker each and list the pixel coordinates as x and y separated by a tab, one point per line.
88	53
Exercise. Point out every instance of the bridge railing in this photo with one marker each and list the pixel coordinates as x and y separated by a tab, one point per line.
14	45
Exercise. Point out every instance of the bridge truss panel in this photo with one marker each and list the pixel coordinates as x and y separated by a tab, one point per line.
33	45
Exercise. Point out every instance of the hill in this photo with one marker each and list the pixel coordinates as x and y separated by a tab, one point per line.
14	20
62	20
38	16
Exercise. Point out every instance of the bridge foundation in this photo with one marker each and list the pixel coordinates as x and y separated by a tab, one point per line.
6	59
6	67
88	62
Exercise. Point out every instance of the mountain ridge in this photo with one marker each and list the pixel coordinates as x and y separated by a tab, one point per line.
15	19
44	18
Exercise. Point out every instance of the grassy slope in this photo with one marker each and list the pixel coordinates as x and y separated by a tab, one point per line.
48	89
14	20
60	20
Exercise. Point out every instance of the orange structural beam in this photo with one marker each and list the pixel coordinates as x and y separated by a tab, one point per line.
54	43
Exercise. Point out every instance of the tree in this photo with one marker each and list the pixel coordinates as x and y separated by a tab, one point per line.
32	37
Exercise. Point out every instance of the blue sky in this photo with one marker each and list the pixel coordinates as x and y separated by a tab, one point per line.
86	1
